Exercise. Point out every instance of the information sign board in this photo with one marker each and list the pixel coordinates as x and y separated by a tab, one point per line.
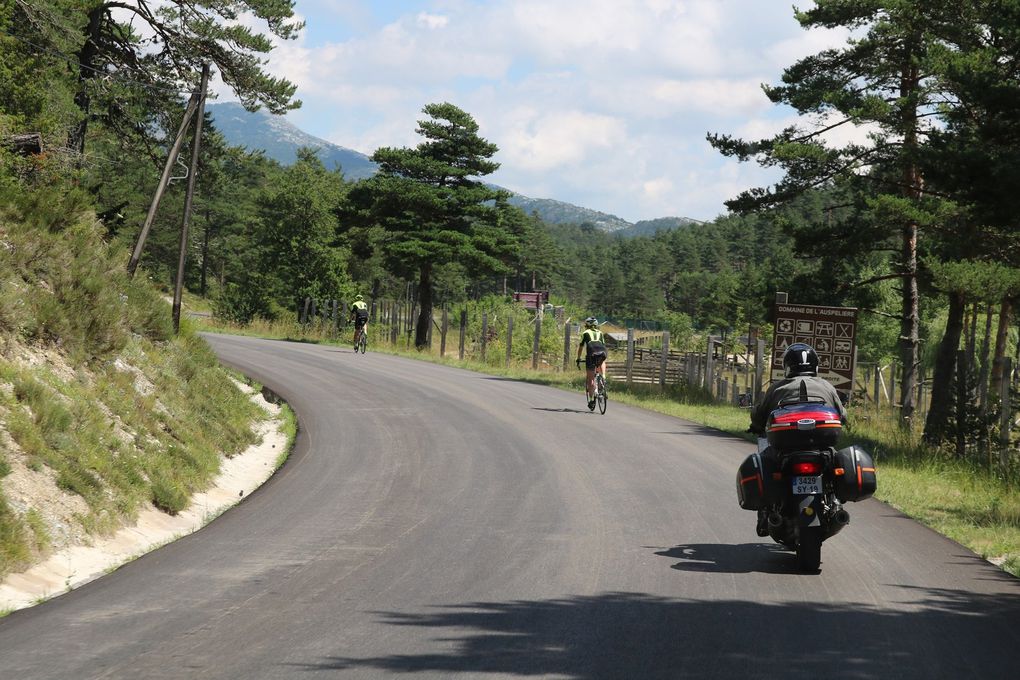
831	331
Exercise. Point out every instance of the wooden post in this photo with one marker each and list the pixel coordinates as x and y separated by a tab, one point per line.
1005	411
509	338
663	359
709	372
442	339
189	196
892	386
630	356
537	343
760	369
164	180
877	395
566	346
428	335
304	311
485	334
463	332
961	403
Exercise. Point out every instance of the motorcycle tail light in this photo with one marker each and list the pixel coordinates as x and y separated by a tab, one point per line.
839	472
810	468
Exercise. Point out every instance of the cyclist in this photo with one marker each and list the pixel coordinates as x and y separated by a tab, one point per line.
592	340
359	314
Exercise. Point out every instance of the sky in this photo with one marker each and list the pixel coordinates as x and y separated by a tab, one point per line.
600	103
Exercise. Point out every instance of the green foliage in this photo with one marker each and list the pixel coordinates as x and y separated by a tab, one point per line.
298	236
431	210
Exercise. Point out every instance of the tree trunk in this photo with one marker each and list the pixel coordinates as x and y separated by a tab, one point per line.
986	346
972	337
421	329
86	71
938	425
1001	338
912	181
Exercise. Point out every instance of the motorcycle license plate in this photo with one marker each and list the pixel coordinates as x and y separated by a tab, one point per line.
804	486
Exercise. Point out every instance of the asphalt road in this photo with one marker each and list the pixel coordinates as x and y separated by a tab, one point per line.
436	523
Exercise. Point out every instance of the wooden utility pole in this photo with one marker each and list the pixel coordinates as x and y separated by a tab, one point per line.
188	198
163	181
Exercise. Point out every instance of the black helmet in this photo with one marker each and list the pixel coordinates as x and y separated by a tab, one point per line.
800	359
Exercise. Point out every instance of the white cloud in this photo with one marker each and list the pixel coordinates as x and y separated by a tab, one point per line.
432	21
603	103
543	141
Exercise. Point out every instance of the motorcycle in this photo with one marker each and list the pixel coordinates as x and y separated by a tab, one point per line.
798	482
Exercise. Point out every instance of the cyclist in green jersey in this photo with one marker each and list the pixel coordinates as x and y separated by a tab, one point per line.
593	343
359	314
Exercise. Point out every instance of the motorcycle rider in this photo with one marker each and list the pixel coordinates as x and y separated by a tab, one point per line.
801	365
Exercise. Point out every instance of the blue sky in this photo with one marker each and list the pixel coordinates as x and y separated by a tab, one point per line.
600	103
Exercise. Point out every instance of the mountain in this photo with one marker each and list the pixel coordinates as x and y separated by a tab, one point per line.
281	139
558	212
650	227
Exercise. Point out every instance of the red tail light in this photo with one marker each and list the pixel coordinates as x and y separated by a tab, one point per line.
807	468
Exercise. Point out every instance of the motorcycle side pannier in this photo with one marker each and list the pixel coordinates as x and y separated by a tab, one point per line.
756	487
803	426
858	480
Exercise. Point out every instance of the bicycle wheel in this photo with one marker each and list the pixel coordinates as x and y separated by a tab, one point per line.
363	342
600	394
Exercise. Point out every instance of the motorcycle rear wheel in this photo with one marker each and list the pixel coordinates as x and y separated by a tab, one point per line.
809	549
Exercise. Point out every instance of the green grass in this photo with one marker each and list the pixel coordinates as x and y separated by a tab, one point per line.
968	503
290	428
136	414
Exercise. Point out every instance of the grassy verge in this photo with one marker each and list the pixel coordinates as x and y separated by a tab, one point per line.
967	503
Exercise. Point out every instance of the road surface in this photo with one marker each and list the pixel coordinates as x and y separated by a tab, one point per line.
437	523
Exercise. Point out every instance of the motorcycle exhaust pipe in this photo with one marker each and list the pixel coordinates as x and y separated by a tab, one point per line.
841	517
775	520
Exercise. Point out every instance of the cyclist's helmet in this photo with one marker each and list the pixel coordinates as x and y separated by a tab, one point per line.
800	359
359	297
591	322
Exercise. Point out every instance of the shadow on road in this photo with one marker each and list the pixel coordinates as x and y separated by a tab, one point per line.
560	410
942	634
701	431
733	559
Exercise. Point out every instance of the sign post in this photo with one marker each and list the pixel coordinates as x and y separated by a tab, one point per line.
831	331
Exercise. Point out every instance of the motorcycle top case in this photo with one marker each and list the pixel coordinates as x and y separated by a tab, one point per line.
756	486
803	426
858	480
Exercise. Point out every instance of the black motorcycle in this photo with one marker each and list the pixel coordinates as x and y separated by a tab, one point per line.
799	482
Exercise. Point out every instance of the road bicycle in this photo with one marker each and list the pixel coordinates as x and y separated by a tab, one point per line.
601	398
361	341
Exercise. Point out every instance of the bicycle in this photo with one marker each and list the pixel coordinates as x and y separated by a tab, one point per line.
601	397
361	340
